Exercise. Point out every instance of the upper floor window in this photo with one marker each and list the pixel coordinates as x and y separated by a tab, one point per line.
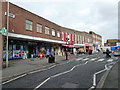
39	28
47	30
28	25
58	33
53	32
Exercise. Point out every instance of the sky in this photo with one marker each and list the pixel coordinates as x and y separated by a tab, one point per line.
100	16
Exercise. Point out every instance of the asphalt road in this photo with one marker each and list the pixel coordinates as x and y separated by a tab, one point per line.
71	74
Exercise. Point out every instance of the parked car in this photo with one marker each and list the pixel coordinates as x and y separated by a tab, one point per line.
117	52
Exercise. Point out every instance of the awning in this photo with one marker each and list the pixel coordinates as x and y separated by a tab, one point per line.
70	46
88	44
34	38
80	45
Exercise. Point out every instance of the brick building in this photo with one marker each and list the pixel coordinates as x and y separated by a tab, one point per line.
33	34
96	40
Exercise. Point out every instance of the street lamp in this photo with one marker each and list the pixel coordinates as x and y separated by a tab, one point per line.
7	33
66	49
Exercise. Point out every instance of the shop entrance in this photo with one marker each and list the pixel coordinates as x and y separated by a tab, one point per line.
31	49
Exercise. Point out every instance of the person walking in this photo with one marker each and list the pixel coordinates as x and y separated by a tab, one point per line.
107	53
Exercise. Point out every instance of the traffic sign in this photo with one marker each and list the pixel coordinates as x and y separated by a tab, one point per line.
3	31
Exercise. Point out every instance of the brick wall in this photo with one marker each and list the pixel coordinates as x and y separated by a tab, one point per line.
17	24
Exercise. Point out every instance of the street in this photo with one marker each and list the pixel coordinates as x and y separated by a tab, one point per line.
77	73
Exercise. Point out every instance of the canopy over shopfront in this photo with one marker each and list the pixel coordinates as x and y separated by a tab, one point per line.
80	45
70	46
34	38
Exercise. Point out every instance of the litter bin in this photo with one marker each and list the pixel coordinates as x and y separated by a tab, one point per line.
51	59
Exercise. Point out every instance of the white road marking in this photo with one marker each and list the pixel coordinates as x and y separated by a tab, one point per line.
42	83
85	59
109	60
107	67
58	75
78	59
101	59
42	69
31	73
13	79
93	59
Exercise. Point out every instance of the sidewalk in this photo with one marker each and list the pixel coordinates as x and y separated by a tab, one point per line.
24	66
110	79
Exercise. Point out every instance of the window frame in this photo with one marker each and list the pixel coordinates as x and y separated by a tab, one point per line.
39	28
53	32
28	25
59	34
47	29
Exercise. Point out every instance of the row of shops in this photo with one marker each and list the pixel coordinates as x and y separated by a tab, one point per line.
17	48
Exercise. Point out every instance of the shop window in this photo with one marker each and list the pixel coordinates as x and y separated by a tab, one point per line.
28	25
47	30
39	28
53	32
58	33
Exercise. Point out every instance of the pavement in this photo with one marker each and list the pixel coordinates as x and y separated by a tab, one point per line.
110	79
24	66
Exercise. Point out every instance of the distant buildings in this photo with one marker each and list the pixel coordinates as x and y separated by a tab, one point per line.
112	42
33	34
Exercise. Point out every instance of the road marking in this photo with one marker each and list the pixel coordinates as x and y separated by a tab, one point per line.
32	73
93	59
14	79
78	59
101	59
42	69
85	59
94	76
42	83
109	60
58	75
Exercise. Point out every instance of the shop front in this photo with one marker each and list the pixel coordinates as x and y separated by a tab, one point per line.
88	47
81	48
17	48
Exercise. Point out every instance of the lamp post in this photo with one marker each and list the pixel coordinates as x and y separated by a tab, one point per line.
66	49
7	33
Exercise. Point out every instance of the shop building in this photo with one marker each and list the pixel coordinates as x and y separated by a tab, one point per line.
33	34
29	32
97	40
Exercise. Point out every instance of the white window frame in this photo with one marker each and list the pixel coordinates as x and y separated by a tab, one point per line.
47	30
58	33
39	28
53	32
28	24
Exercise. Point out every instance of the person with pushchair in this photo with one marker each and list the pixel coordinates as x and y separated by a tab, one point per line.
108	53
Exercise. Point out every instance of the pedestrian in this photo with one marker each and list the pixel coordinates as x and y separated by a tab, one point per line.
25	54
107	53
90	51
47	53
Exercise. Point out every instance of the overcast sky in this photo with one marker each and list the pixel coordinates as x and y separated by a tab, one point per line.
100	16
